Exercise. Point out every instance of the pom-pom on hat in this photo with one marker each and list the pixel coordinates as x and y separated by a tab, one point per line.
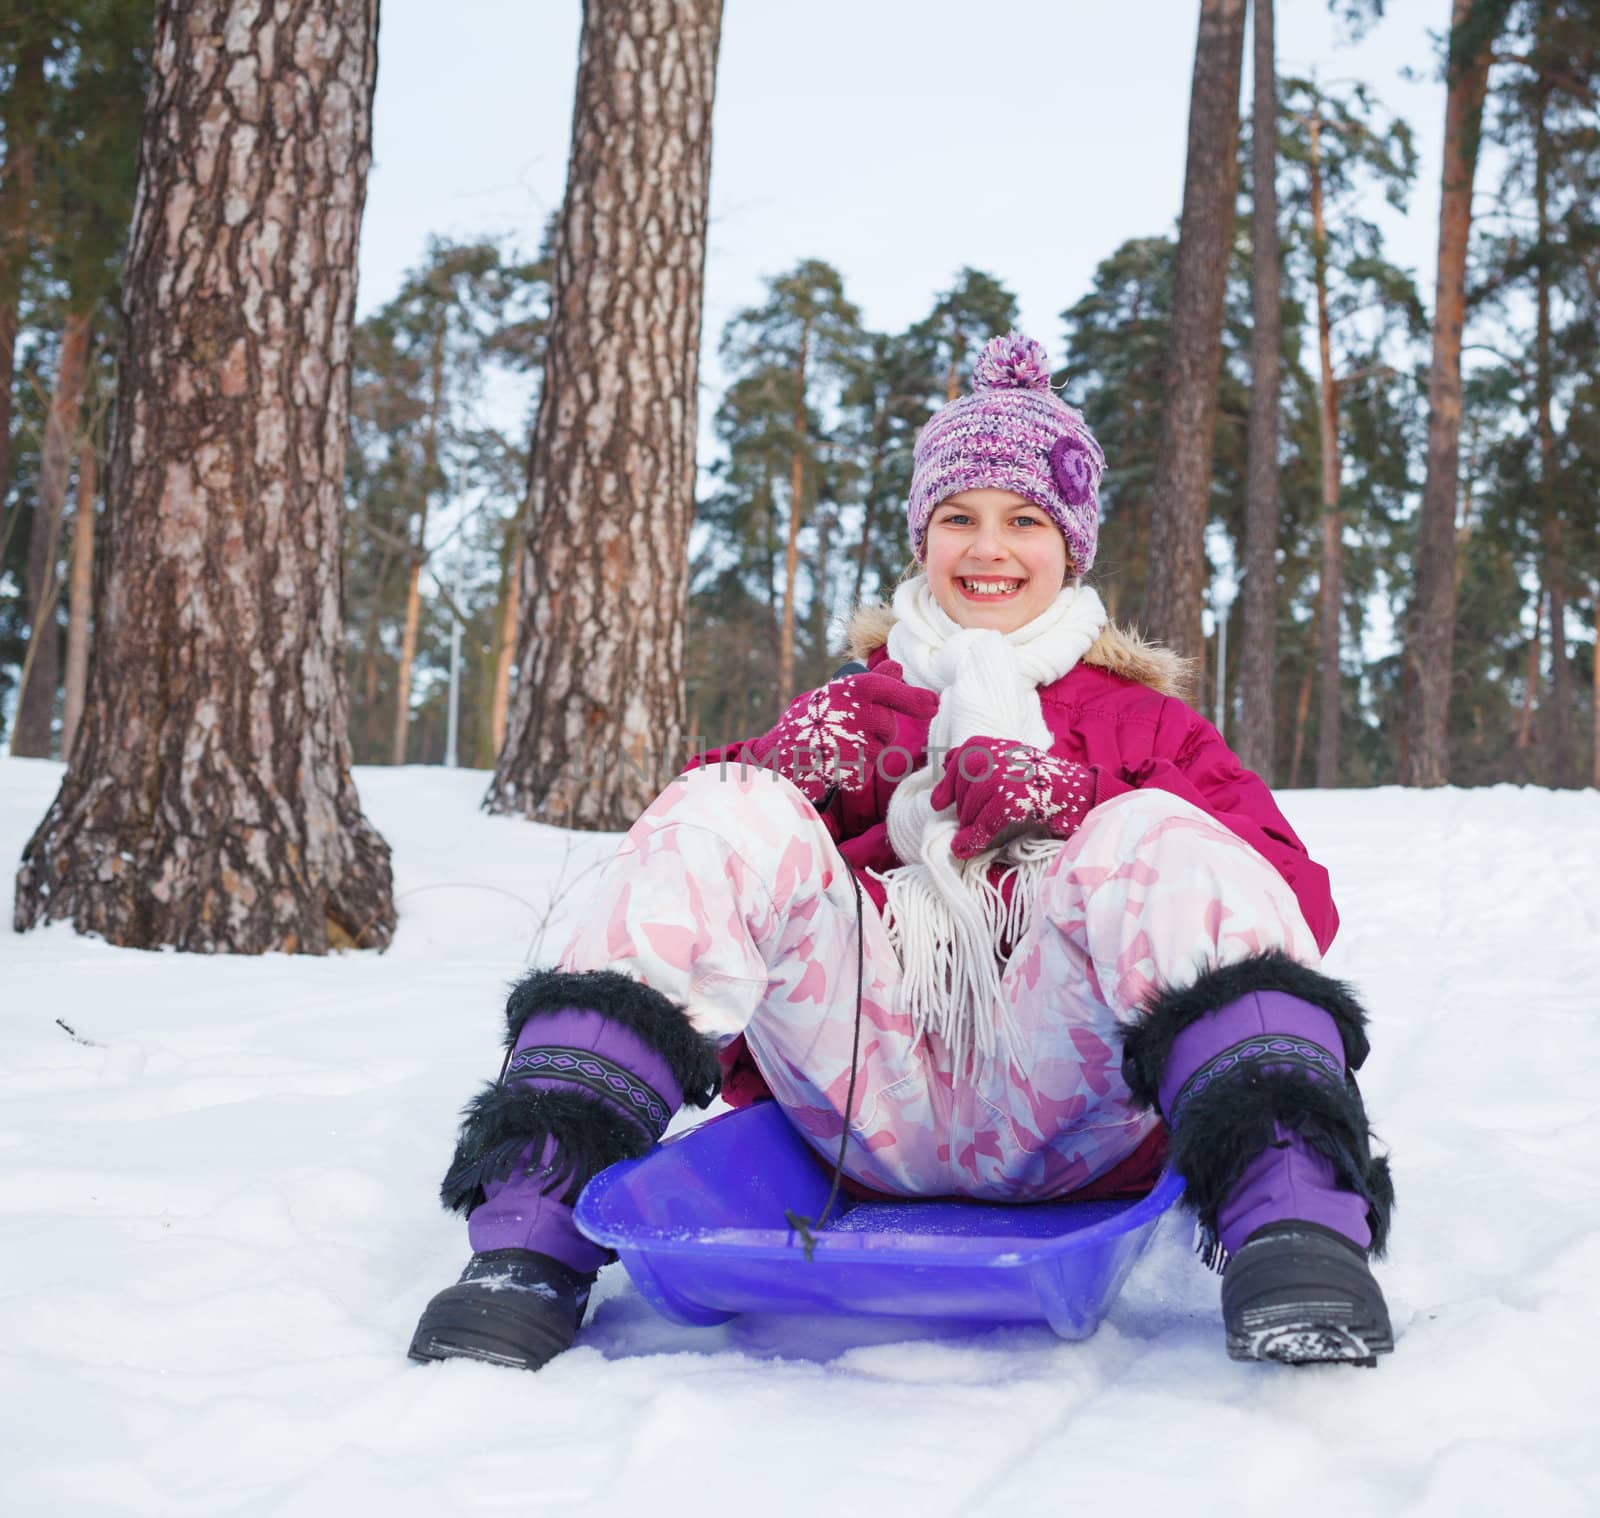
1013	432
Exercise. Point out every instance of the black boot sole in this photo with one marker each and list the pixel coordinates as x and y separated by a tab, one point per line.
1302	1295
467	1322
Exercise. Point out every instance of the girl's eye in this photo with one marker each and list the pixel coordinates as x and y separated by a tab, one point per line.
1025	521
954	519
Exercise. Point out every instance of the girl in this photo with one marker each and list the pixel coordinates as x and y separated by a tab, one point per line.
1085	932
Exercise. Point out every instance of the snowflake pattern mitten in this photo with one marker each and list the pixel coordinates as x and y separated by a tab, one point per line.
830	739
1001	787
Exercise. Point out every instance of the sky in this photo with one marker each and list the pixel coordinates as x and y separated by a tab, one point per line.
897	139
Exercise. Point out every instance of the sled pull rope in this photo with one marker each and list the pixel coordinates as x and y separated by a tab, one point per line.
806	1227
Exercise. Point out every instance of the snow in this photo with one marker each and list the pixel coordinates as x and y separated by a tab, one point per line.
218	1226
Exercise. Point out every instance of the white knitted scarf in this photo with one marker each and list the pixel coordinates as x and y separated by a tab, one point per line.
945	917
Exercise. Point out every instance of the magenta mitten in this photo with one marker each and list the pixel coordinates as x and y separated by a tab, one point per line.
831	739
999	786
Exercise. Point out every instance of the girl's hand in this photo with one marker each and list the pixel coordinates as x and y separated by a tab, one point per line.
1001	787
831	739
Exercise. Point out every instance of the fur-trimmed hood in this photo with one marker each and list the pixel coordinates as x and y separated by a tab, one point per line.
1119	650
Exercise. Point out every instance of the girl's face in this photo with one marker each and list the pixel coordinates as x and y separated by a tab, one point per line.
994	559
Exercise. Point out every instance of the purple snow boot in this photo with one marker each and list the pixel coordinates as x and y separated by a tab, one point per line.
596	1065
1250	1065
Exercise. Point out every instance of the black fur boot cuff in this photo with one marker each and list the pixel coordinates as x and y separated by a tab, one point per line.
502	1124
646	1013
1147	1045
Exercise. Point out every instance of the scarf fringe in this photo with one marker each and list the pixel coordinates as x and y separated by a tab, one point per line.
949	922
952	960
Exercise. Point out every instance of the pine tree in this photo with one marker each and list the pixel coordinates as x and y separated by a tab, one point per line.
1184	461
208	804
470	315
1342	150
1430	636
597	716
1259	601
1538	252
1115	370
24	103
799	349
83	179
974	309
885	403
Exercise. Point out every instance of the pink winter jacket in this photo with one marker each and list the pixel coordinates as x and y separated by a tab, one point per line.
1103	713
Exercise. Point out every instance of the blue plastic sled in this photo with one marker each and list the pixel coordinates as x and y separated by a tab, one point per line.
699	1225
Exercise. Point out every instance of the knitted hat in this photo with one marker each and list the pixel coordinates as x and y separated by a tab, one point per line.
1012	433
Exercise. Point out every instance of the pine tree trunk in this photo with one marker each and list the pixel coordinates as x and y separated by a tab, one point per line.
505	640
869	510
41	670
1257	663
1562	766
82	596
1430	639
1302	710
408	654
1331	583
770	543
791	551
1330	596
209	804
821	583
369	693
1530	689
1176	589
597	718
1594	697
430	477
23	109
375	739
1562	761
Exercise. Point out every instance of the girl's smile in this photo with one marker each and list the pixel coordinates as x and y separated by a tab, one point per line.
994	559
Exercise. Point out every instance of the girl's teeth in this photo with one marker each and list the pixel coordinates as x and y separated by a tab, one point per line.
991	587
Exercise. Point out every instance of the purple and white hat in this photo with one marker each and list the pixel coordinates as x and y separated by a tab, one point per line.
1013	432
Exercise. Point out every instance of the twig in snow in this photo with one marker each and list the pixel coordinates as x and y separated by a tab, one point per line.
77	1037
557	894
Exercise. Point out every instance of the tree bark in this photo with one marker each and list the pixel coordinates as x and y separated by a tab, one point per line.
82	595
597	717
22	114
1530	689
419	557
41	670
1430	640
1330	589
1176	588
1302	709
1257	663
1562	760
869	515
505	640
1594	702
791	550
408	655
209	804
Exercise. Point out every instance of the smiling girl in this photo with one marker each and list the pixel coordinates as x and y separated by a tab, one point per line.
1088	939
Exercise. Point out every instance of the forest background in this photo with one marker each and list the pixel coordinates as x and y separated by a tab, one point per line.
874	222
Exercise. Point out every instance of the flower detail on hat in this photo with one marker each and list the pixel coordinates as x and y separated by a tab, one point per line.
1012	362
1073	467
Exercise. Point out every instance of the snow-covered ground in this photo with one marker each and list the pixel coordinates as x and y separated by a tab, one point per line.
217	1228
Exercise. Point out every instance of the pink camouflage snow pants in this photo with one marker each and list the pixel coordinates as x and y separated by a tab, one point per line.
729	896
